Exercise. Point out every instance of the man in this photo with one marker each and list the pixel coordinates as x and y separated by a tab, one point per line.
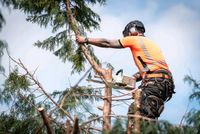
157	83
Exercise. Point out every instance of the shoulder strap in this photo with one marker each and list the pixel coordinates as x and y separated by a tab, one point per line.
147	70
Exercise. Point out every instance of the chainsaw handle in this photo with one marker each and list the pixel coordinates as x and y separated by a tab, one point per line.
119	71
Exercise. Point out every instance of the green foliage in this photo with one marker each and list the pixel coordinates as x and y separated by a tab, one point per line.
10	124
191	81
16	82
3	46
4	3
15	88
196	87
52	42
22	116
13	84
52	13
24	106
193	117
2	20
77	97
18	88
118	127
19	94
161	127
67	52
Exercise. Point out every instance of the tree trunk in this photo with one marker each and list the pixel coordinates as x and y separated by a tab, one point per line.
106	75
137	98
107	102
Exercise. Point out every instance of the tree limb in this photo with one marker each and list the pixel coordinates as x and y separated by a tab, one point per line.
40	87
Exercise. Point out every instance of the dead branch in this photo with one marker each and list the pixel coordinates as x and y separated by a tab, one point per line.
182	119
120	116
82	77
93	128
91	120
130	92
96	81
122	99
40	87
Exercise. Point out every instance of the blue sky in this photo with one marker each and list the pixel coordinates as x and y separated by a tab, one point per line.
173	24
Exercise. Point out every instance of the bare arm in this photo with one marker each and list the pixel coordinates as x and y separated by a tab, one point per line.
100	42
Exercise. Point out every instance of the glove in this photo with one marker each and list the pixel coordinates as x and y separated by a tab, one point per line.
137	76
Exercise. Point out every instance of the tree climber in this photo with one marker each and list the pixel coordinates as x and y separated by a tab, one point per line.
157	83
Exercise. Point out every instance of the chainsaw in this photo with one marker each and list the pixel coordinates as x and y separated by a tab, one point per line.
119	81
123	81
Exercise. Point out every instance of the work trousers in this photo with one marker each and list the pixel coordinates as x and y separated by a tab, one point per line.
155	91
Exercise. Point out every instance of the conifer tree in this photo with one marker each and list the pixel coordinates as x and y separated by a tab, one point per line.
18	89
193	117
3	44
118	127
52	14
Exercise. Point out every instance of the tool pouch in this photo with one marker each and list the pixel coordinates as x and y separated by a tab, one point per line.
153	106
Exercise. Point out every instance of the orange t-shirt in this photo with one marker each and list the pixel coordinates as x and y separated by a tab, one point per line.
149	52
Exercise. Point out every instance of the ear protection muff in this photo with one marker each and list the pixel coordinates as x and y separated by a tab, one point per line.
129	29
132	29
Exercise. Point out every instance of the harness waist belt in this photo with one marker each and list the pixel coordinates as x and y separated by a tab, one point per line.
161	75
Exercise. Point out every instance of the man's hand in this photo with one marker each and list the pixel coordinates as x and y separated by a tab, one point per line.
137	76
80	39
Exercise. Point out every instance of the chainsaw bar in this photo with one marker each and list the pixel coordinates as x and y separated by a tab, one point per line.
125	82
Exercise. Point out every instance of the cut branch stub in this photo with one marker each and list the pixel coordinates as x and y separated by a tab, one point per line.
45	120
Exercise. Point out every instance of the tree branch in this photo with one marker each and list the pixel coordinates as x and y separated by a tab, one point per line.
40	87
74	27
65	96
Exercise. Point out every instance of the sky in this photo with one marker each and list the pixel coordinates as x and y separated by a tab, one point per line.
173	24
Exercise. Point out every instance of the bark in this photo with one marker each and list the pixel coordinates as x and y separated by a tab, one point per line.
45	120
68	127
76	129
136	128
107	102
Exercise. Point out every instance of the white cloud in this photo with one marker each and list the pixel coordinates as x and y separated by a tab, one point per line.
177	29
